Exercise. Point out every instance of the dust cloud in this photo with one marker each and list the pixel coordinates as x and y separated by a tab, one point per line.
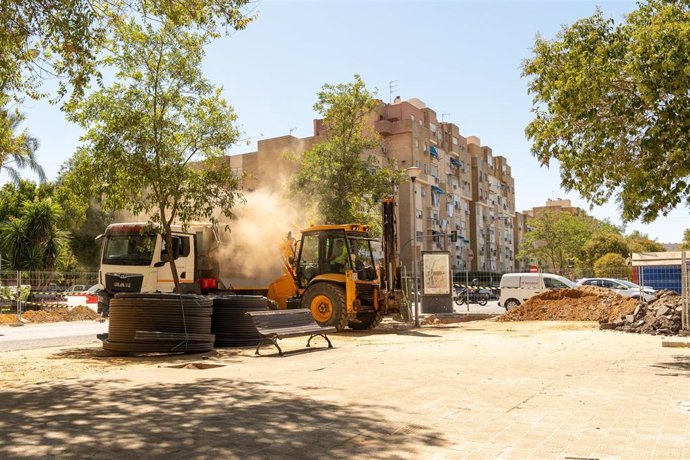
251	252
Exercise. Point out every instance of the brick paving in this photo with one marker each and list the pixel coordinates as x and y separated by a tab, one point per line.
471	390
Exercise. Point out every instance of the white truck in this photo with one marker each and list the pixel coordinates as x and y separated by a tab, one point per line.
519	287
134	258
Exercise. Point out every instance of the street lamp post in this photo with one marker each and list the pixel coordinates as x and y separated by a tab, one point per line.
412	173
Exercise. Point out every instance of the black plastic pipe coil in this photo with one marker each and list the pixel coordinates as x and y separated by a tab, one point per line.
230	325
161	323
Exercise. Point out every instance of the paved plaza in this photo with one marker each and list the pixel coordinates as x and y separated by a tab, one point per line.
481	389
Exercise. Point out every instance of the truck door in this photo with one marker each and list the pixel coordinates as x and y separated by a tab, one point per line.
182	252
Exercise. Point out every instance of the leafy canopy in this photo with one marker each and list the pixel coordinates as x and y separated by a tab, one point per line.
40	40
33	240
17	149
611	266
155	140
554	238
341	177
612	105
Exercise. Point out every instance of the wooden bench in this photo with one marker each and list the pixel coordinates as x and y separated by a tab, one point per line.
274	325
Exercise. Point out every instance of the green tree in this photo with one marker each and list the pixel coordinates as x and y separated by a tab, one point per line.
611	266
555	238
144	132
340	177
40	39
685	244
17	150
611	105
33	240
602	243
639	242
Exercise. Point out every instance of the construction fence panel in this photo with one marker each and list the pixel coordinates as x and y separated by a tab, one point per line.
36	290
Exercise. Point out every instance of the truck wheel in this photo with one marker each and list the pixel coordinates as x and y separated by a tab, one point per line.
511	303
367	320
326	302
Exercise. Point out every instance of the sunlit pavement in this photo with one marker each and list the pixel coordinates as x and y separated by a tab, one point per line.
479	389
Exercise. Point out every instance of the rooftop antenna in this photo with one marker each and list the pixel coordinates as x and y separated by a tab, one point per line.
443	117
291	130
392	86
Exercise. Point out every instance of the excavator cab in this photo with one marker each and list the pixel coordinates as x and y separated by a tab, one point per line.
333	274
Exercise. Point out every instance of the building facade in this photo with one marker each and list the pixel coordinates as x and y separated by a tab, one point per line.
462	187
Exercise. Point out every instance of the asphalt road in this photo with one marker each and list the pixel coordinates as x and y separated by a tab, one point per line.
491	308
32	336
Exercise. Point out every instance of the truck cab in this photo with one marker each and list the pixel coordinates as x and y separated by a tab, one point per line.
134	258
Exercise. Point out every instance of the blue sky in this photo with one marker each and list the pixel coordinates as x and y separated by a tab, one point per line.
460	57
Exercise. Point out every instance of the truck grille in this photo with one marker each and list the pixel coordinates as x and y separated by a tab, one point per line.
123	282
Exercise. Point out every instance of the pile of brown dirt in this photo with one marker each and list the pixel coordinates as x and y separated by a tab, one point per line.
586	303
57	314
661	316
8	318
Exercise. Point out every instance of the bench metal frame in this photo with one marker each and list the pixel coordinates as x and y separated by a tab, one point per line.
274	325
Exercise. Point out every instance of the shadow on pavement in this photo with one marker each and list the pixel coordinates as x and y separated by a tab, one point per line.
203	418
680	363
385	331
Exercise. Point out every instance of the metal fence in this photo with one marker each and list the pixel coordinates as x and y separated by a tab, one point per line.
35	290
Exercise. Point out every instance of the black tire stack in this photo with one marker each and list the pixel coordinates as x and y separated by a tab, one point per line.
230	325
159	323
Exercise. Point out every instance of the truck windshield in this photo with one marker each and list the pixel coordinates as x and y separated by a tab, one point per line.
129	249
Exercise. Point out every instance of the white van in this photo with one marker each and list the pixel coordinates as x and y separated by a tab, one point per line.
518	287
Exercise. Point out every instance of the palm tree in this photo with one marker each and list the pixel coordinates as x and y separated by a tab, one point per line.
17	151
33	241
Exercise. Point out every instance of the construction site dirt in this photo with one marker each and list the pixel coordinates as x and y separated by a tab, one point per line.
661	316
480	389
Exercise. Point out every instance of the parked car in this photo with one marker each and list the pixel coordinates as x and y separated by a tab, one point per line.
76	289
622	287
518	287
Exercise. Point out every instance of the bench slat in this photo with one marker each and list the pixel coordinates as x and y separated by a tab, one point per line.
277	324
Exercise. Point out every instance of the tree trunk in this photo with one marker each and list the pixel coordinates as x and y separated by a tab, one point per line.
171	259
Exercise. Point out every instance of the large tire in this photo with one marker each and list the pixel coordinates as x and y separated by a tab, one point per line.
367	320
326	302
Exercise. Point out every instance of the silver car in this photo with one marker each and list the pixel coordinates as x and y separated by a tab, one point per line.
622	287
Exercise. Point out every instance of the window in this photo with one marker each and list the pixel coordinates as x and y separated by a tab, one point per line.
412	117
426	168
129	249
551	283
308	259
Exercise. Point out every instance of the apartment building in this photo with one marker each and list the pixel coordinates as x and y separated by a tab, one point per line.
555	206
462	187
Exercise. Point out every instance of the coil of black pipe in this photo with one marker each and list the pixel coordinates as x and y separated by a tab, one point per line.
159	323
230	325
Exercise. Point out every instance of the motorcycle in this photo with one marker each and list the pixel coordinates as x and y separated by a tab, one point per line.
475	295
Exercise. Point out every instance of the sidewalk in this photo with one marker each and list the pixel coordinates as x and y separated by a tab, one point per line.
473	390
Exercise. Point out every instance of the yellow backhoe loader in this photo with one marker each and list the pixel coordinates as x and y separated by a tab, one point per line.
331	271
